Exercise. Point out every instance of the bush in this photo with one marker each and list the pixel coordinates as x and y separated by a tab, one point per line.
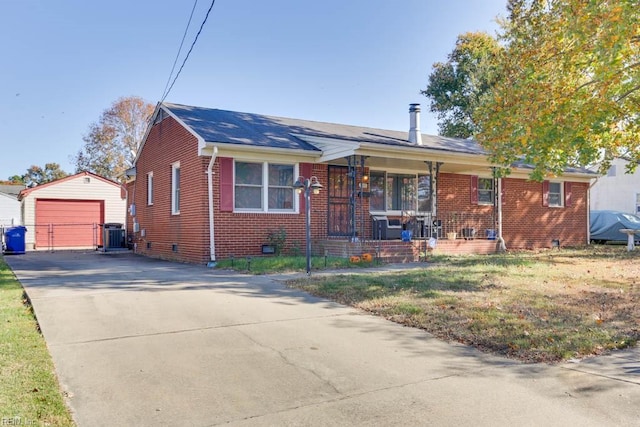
277	239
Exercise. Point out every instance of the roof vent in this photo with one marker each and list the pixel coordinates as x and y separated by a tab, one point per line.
415	137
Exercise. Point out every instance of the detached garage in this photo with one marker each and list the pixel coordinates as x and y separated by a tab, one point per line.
69	213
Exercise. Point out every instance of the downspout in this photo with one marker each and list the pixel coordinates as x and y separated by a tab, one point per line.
502	247
212	244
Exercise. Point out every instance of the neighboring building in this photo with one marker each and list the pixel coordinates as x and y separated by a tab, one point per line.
12	189
617	190
211	184
69	213
9	210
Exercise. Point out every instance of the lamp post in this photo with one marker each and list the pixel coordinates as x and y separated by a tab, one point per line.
308	185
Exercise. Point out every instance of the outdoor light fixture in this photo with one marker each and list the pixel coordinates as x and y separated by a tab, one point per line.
365	181
308	185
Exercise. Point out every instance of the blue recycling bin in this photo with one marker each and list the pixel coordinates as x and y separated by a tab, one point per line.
14	239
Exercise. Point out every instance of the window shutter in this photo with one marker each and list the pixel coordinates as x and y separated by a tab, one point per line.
474	189
226	184
306	169
503	193
567	194
545	193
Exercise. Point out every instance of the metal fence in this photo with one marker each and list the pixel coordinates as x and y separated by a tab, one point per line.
70	236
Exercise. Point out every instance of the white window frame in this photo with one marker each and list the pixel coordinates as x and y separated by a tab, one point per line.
561	194
295	208
492	191
150	189
416	202
175	188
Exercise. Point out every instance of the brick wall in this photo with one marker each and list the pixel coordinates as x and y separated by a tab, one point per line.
526	223
529	225
182	237
243	234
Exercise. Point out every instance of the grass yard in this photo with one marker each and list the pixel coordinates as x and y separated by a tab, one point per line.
285	263
29	390
533	306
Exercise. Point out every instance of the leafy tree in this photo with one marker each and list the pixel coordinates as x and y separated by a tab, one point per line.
16	179
569	88
111	143
36	175
457	86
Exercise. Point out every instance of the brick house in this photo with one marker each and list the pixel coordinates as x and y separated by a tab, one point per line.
209	184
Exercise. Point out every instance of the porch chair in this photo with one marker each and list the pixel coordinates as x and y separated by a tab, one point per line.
385	228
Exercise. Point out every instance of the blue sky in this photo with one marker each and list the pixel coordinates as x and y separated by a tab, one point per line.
359	62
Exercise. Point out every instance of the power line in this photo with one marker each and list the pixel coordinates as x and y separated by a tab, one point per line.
189	52
175	61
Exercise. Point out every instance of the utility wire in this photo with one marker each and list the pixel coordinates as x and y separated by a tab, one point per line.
175	61
189	52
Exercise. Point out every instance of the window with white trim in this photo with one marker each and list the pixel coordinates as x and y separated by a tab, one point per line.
399	192
150	188
257	182
175	188
555	194
637	203
486	191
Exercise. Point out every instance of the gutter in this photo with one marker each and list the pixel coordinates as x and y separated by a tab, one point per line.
212	244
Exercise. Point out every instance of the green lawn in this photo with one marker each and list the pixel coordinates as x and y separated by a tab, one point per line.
29	390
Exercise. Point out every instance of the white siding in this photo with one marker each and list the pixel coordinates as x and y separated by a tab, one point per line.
9	210
76	188
616	190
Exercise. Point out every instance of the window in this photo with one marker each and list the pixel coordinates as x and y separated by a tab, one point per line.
485	191
248	189
555	194
637	203
257	182
175	188
280	187
424	193
150	188
400	192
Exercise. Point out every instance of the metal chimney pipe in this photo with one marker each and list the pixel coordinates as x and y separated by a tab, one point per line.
415	137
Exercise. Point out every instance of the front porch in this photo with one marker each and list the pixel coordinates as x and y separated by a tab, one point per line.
403	251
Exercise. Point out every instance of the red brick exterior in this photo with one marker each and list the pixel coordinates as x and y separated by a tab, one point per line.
527	224
243	234
168	142
184	237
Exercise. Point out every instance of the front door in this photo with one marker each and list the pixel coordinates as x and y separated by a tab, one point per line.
338	221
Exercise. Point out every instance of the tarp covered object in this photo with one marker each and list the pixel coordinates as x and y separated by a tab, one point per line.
606	225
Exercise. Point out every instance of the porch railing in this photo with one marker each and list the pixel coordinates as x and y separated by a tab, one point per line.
451	225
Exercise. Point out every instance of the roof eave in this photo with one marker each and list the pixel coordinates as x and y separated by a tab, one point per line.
241	148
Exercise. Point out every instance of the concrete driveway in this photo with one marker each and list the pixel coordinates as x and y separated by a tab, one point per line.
145	342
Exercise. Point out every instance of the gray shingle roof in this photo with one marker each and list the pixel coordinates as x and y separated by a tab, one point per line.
232	127
12	189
